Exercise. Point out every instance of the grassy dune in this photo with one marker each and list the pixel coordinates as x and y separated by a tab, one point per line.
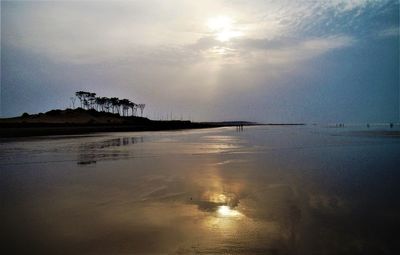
81	121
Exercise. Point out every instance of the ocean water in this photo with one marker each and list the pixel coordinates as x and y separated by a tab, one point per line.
263	190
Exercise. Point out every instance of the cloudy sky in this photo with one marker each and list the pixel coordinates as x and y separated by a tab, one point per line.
268	61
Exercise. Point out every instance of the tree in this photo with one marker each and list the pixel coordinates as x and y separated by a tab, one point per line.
73	102
115	104
133	107
86	98
141	107
81	96
91	99
125	106
107	103
100	101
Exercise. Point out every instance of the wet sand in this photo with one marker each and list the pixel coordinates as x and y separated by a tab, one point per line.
377	133
263	190
46	130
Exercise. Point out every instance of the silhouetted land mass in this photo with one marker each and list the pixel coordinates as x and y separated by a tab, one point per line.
81	121
284	124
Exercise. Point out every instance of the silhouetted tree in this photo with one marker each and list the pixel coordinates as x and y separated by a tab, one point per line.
99	101
81	96
86	98
89	100
141	107
124	103
73	101
115	104
107	103
133	107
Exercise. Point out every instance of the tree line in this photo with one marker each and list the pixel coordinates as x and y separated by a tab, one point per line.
89	100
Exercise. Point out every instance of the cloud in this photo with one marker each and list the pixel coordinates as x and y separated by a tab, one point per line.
90	32
321	45
389	32
159	49
276	51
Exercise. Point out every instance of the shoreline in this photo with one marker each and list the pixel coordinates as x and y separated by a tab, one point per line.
32	130
83	121
47	130
14	130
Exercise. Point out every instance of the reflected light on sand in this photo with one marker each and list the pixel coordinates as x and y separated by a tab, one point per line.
225	222
215	197
226	211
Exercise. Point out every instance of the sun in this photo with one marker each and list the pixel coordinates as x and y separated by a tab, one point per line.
223	28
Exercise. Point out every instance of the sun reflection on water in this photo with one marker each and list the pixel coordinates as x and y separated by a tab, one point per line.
226	211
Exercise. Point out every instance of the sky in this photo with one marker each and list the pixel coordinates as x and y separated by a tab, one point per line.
210	60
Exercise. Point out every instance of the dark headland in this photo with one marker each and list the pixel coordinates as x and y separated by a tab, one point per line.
82	121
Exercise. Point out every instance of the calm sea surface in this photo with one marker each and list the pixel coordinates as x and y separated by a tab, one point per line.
265	190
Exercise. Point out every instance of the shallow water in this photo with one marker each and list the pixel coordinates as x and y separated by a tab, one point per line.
266	190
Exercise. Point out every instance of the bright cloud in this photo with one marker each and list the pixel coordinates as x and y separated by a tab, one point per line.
189	51
96	31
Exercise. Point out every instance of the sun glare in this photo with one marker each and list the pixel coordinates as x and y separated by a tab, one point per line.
226	211
223	28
